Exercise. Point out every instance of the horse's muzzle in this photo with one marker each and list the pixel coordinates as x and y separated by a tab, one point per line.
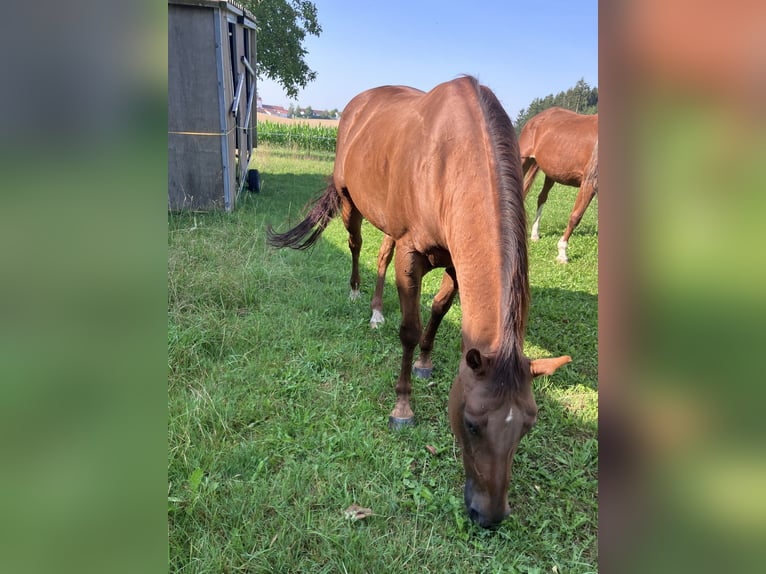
476	513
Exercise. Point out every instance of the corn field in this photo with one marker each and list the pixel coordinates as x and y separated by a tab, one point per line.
298	136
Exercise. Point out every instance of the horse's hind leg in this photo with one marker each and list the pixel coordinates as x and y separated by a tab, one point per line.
385	254
584	197
442	303
410	267
352	219
541	199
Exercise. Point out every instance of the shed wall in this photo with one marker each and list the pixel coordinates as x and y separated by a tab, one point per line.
203	134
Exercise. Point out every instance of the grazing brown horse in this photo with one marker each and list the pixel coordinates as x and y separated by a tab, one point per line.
439	173
564	145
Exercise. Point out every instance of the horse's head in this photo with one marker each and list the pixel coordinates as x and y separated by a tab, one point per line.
488	421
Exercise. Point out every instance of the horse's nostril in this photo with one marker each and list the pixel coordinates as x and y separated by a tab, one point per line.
477	516
481	520
474	515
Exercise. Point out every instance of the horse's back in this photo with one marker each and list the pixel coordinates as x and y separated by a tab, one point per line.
370	108
387	115
558	121
396	150
372	137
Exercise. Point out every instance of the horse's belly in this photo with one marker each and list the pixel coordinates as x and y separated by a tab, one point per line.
391	213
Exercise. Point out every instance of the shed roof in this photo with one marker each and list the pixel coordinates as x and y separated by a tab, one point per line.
235	7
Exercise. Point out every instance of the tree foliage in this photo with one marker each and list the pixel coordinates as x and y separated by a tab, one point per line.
282	27
581	99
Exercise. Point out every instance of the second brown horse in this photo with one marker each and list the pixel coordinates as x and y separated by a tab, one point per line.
564	145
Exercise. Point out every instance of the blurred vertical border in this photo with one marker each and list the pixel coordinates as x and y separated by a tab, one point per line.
83	161
682	296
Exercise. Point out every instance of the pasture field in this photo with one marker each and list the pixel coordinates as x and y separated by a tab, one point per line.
279	394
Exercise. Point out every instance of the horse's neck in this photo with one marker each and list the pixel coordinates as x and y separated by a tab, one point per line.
478	259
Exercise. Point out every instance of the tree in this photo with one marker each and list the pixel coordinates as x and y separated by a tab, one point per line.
581	99
282	26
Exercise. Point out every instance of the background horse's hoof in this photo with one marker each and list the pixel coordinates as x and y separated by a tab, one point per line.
422	372
396	423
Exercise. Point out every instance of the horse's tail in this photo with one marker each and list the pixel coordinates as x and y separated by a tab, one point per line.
591	170
530	169
322	211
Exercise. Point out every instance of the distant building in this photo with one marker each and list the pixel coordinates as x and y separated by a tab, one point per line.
274	111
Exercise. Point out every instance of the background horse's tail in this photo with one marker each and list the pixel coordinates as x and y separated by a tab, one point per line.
530	169
591	171
322	212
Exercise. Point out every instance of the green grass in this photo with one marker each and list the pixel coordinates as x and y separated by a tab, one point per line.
279	394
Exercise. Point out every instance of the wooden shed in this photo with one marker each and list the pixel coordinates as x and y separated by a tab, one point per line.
211	89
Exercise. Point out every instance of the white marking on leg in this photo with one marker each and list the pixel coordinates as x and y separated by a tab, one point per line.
536	225
377	319
354	295
509	418
562	256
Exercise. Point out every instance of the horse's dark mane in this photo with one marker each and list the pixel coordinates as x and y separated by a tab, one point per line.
510	367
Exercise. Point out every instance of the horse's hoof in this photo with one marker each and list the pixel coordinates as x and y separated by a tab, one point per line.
396	423
422	372
376	319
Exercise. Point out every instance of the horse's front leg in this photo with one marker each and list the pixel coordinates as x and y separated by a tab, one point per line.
409	267
385	254
442	303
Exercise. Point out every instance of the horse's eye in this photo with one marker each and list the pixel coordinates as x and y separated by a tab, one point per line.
471	427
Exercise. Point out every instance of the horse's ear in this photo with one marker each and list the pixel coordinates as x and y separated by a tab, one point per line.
473	359
547	366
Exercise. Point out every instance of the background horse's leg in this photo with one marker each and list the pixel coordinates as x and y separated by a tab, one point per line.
541	199
352	219
409	267
442	303
584	197
385	254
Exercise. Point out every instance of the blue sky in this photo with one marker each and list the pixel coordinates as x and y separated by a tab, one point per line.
522	50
